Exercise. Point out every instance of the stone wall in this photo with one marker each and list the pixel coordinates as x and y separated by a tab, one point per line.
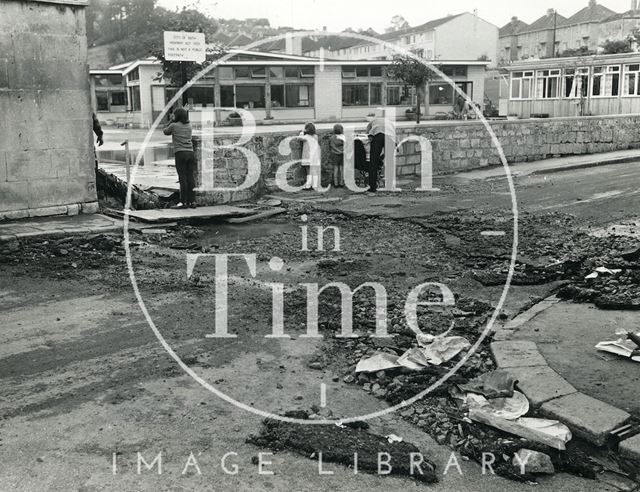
46	143
457	146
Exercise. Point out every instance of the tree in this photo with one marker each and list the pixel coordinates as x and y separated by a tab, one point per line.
613	47
414	73
397	23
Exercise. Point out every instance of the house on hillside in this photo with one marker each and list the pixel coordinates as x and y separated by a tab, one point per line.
539	39
582	29
508	40
276	87
456	37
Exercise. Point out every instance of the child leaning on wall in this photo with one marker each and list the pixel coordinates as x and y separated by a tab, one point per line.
336	146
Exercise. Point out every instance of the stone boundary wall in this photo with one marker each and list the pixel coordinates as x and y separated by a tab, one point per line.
457	146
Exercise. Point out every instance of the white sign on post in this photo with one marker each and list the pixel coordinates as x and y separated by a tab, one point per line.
184	46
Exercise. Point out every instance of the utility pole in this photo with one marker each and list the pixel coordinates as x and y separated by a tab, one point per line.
555	25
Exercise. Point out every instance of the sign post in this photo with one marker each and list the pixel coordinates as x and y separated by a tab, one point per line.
184	47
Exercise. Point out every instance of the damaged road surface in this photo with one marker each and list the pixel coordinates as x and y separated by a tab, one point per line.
87	392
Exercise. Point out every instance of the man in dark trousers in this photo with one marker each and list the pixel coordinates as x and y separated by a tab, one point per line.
379	130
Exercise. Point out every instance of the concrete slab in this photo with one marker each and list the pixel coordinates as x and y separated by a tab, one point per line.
171	214
541	384
630	448
531	313
516	354
587	417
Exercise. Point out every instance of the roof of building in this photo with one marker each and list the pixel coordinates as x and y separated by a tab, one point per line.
573	62
547	21
427	26
629	14
593	12
513	27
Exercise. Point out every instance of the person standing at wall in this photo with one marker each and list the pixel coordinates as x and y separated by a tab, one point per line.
336	146
311	161
97	129
380	130
181	132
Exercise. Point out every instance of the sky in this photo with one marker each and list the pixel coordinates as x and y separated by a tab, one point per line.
337	15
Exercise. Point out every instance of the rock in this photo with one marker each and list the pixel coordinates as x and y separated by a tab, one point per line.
532	462
349	378
317	366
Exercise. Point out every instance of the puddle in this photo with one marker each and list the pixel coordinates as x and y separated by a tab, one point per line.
216	234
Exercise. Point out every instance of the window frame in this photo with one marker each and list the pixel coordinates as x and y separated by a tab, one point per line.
530	78
546	76
636	74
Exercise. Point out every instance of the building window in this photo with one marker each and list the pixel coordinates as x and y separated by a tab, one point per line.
258	73
276	72
135	98
631	77
200	96
362	71
227	97
299	96
398	95
118	98
307	71
521	85
348	72
576	82
243	72
376	71
277	96
102	99
133	75
375	94
225	73
548	84
441	94
606	81
355	95
455	71
107	80
250	96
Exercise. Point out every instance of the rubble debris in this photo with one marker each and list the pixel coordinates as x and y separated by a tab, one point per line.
378	362
549	432
391	438
494	384
509	408
627	347
441	348
258	216
631	254
533	462
603	271
339	444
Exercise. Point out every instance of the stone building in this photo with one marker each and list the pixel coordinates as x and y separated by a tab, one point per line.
46	146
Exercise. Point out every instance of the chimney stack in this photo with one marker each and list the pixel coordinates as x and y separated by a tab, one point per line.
634	5
550	12
592	3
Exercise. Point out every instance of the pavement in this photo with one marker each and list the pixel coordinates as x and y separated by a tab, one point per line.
58	226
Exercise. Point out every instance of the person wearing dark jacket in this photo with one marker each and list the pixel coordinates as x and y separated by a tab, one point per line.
181	132
97	129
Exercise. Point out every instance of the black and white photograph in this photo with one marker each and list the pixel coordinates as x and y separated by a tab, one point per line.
284	245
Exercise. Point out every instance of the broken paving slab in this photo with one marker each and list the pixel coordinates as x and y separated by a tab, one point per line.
588	418
630	448
342	444
171	214
531	313
540	383
516	354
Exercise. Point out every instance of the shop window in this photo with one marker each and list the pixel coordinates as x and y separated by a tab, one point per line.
277	96
355	95
548	84
226	96
299	96
398	95
250	96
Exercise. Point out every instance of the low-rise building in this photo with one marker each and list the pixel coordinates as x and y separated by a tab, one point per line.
456	37
276	88
576	86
